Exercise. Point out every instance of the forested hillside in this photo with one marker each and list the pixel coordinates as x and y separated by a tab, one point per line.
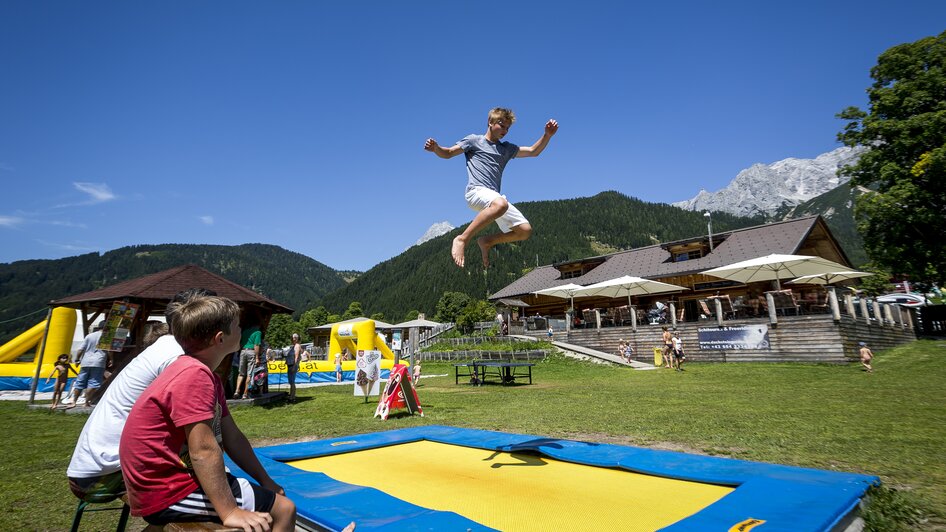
287	277
837	208
562	230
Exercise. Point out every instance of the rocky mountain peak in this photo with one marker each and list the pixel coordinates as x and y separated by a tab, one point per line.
766	188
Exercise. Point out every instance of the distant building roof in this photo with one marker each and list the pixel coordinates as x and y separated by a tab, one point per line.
161	287
809	235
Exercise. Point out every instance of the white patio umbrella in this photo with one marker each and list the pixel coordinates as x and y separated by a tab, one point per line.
628	286
564	291
829	277
775	267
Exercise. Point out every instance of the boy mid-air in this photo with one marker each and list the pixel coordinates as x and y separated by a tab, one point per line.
486	157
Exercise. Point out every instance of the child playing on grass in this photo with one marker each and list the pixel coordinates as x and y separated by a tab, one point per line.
172	445
61	371
678	355
486	158
866	356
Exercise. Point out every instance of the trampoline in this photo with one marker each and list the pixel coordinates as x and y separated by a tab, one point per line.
447	478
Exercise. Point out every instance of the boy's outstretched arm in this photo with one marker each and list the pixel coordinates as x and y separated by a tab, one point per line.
551	127
444	153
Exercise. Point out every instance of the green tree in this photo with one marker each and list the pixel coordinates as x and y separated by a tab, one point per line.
450	306
279	332
354	311
313	318
475	310
904	165
411	315
876	284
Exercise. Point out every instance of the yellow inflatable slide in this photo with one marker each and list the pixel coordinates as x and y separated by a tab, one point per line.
18	356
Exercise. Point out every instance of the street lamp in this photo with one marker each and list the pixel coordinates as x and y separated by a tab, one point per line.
709	228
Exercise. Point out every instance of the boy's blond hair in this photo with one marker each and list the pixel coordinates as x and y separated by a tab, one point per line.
197	320
501	113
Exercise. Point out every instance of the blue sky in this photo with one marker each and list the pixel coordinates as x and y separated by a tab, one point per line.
302	123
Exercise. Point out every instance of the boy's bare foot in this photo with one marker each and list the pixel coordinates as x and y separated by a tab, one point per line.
484	250
457	251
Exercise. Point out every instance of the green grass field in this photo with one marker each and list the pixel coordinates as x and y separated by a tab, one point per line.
891	423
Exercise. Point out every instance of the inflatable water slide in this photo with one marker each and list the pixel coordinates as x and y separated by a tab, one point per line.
18	357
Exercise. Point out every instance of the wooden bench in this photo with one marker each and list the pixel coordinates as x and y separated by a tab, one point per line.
199	527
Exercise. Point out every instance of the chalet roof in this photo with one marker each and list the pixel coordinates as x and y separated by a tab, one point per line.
655	262
161	287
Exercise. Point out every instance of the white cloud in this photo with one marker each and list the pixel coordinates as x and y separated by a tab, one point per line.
10	221
68	247
98	192
207	220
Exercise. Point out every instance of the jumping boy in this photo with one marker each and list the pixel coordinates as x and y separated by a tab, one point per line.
172	446
486	157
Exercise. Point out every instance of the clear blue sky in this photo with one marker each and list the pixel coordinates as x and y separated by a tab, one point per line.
302	123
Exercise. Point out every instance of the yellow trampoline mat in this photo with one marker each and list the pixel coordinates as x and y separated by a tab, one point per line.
518	491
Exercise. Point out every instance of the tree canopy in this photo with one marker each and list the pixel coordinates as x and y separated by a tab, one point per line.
904	131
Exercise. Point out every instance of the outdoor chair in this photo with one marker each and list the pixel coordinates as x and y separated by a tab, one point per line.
785	301
727	306
707	313
588	316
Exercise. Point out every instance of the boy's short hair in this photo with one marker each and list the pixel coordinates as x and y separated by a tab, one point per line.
197	320
501	113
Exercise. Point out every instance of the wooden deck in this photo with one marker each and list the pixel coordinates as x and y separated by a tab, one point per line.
806	338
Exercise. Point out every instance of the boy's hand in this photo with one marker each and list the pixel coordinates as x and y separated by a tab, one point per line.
431	145
249	521
551	127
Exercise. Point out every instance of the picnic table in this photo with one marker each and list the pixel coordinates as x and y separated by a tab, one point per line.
506	372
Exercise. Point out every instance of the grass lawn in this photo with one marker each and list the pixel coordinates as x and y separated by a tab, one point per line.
891	423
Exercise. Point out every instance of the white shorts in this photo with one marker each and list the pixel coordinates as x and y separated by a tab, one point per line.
478	198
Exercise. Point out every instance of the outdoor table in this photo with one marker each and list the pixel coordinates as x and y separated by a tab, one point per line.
507	372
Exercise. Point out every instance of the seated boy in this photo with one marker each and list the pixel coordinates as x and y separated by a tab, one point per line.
172	446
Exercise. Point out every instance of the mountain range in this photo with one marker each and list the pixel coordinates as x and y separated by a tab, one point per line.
766	189
415	280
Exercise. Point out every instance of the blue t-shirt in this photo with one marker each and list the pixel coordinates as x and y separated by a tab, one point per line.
486	160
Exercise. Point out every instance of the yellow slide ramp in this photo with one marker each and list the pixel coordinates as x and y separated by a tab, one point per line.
62	327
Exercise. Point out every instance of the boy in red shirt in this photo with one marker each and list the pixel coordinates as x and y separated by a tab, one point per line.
172	446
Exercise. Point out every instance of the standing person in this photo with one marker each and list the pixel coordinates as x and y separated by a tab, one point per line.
93	361
94	471
293	358
550	333
866	356
173	442
61	371
251	355
668	347
338	367
486	158
678	355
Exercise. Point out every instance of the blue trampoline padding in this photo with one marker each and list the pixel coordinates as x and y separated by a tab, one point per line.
23	383
319	377
788	498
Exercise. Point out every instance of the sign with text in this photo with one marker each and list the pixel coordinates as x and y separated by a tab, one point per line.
740	337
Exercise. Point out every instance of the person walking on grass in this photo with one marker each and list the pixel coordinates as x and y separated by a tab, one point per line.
486	158
866	357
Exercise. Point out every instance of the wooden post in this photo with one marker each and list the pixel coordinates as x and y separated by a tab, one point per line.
877	313
849	303
39	357
770	300
864	313
903	325
633	318
673	315
719	311
597	319
888	313
833	302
